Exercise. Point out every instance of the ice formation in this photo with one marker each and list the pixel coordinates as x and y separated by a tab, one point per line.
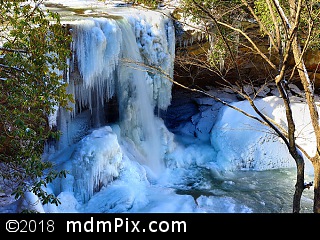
128	61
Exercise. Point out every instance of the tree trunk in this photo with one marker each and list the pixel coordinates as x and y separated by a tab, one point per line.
308	89
316	201
299	187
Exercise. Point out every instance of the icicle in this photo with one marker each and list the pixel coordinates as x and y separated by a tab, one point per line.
97	47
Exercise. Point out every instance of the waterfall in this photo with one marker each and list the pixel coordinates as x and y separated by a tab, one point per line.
136	101
111	60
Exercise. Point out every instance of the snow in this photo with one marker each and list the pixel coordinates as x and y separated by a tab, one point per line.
216	160
228	136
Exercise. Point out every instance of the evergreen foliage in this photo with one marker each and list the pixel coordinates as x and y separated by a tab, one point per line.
34	46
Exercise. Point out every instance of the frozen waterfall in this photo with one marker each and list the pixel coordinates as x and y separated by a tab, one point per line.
113	70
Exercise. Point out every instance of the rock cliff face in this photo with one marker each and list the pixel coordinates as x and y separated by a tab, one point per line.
193	46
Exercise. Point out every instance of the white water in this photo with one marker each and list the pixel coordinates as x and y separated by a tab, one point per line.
136	103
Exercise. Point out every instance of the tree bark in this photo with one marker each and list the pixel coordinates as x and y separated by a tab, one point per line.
299	187
316	201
